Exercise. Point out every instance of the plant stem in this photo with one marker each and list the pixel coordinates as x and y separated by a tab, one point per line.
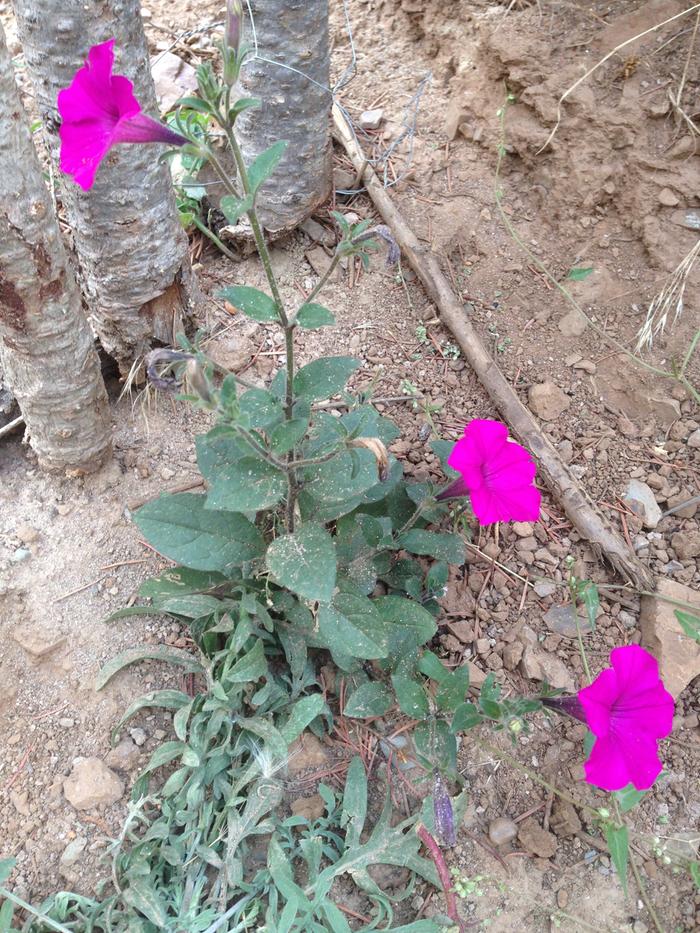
32	910
442	870
324	278
637	877
260	450
213	237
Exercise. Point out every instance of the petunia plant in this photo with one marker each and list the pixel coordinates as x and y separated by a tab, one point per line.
309	542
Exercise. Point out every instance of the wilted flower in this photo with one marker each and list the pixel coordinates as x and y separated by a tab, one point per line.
497	474
444	817
99	110
628	710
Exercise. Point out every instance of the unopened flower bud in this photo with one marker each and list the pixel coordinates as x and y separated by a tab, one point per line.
234	23
380	452
604	813
197	380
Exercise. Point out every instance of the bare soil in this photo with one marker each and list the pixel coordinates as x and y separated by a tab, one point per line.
610	192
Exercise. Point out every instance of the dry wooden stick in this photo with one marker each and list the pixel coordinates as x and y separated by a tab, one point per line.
579	507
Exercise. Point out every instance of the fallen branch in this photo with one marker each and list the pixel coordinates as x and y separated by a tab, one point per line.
580	509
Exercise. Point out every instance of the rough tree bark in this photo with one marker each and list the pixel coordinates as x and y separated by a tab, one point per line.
295	107
132	252
46	346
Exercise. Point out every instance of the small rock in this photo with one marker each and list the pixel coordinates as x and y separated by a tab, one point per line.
462	630
71	855
36	641
537	664
588	366
66	723
20	554
564	621
573	324
502	830
694	439
522	529
123	756
20	801
537	840
26	534
306	753
343	181
641	500
562	898
483	646
547	400
678	655
668	198
565	820
320	262
476	675
686	544
311	808
545	588
455	116
371	119
512	654
92	784
138	736
317	232
687	511
173	78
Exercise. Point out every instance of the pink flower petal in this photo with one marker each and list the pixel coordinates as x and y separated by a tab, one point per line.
82	152
636	669
512	465
615	762
597	701
517	505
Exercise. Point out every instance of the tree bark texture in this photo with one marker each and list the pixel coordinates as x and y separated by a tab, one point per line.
293	33
132	252
46	346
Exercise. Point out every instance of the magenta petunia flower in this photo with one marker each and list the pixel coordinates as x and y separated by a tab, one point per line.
496	473
98	111
628	710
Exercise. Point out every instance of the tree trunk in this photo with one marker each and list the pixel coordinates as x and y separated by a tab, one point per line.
295	107
46	346
132	252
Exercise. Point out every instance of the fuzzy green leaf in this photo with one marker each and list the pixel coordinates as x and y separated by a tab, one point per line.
578	275
617	838
260	408
409	617
447	547
147	653
370	699
217	449
144	898
411	696
689	623
354	627
182	528
453	689
251	667
252	302
304	562
324	377
302	715
7	866
261	169
162	699
233	209
466	717
247	486
287	435
628	797
312	316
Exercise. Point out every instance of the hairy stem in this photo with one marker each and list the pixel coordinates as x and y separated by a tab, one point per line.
442	870
324	278
637	877
213	237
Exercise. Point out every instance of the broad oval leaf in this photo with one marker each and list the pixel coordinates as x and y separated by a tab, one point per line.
353	627
234	208
411	696
301	715
246	486
304	562
325	376
409	616
163	699
312	316
182	528
370	699
252	302
447	547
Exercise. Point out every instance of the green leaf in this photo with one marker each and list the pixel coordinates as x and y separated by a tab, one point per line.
147	653
242	104
261	169
435	743
233	209
7	866
628	797
430	665
411	696
162	699
324	377
287	435
577	275
302	715
142	896
193	103
370	699
694	869
354	627
7	912
304	562
617	838
247	486
354	811
252	302
335	917
340	479
453	689
217	449
588	593
250	667
182	528
447	547
412	621
312	316
689	623
466	717
260	409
